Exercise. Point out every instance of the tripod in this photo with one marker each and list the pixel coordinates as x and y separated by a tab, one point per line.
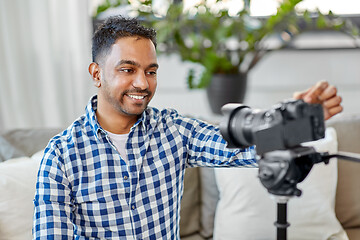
280	171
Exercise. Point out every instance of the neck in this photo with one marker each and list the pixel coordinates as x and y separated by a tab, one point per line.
112	120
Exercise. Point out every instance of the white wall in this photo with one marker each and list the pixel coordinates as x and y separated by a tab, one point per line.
275	78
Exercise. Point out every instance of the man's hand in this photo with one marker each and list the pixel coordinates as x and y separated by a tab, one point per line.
324	94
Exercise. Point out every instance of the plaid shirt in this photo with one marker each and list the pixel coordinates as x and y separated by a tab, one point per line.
85	190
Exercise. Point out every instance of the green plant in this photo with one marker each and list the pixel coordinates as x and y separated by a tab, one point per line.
224	43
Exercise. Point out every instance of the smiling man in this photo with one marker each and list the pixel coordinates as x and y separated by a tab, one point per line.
117	172
126	79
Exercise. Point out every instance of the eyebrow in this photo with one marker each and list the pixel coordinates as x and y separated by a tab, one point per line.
130	62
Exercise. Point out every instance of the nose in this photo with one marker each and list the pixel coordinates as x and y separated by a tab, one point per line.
140	81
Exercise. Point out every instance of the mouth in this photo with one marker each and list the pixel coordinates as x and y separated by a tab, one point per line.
137	97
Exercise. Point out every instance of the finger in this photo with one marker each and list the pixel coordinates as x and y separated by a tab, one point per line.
333	111
313	95
332	102
328	93
300	94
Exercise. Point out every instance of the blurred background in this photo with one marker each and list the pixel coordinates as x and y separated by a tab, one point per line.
45	50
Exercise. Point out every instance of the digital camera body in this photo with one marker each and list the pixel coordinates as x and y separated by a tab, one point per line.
281	127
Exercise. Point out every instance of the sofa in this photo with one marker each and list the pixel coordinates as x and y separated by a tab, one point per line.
21	150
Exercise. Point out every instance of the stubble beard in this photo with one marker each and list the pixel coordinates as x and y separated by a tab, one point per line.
118	103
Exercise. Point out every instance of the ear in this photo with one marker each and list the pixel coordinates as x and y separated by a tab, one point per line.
94	70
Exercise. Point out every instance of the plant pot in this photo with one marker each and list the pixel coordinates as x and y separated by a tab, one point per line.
226	88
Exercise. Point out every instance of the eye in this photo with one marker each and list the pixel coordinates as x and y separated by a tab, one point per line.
153	73
126	70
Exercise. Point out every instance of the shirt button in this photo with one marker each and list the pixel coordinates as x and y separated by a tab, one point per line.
125	177
133	207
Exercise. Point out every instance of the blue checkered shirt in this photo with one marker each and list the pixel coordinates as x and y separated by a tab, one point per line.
85	190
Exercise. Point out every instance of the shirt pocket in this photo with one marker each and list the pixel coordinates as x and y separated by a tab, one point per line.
100	198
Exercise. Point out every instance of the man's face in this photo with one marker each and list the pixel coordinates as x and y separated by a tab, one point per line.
128	76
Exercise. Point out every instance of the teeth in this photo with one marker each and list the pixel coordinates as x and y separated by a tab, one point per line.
136	97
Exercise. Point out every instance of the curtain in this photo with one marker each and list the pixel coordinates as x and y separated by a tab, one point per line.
45	50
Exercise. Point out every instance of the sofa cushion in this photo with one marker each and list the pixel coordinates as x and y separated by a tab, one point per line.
246	209
348	189
8	151
29	141
353	233
198	204
190	204
17	187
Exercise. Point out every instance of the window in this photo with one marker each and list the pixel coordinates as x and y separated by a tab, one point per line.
268	7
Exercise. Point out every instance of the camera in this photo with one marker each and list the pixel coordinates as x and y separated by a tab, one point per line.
278	133
283	126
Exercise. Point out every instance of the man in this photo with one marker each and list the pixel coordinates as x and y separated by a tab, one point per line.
117	172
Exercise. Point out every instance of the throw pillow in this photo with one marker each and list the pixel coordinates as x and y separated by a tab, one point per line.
17	188
246	210
209	198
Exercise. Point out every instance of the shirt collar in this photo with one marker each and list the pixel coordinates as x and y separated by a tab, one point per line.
91	115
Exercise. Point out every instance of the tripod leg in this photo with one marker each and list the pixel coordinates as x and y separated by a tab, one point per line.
281	223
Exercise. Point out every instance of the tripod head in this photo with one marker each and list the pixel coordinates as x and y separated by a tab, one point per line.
280	171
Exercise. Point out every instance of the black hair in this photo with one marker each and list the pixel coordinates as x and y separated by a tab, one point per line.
114	28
